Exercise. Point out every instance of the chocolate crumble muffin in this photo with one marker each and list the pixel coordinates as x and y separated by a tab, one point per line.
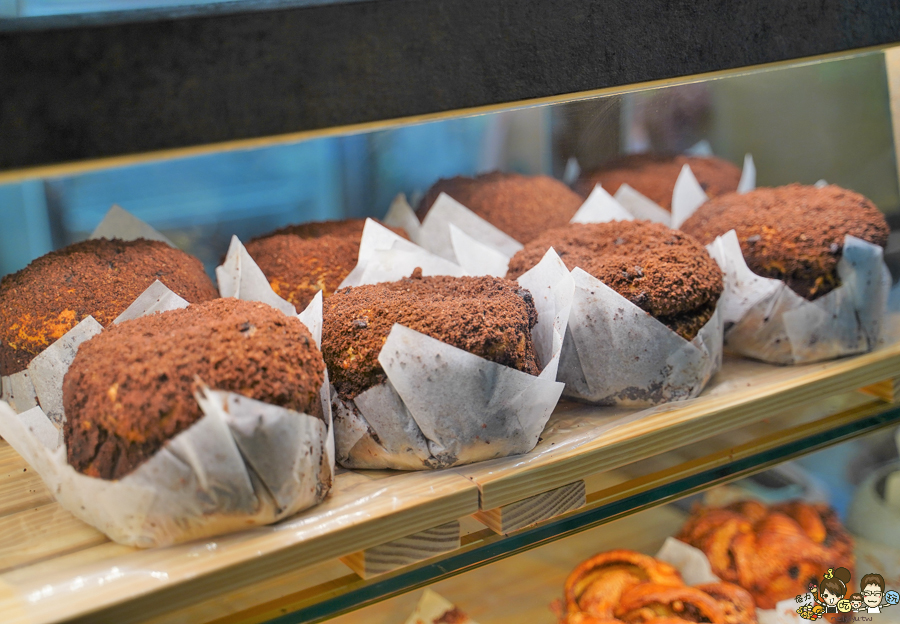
487	316
654	176
792	233
664	272
98	278
300	260
521	206
131	388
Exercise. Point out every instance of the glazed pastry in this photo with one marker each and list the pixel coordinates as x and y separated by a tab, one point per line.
649	601
792	233
736	602
662	271
99	278
131	388
654	176
300	260
490	317
596	585
772	552
522	206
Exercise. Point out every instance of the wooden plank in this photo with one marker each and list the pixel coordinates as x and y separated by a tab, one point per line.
20	487
521	588
405	551
581	440
887	390
364	510
47	531
533	509
369	509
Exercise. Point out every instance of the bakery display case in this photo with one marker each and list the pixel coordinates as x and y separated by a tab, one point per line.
496	533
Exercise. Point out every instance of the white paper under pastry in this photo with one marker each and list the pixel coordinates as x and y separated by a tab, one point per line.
433	609
386	257
443	406
468	408
241	278
395	264
642	207
647	362
691	563
435	232
157	298
694	567
377	431
687	196
401	215
476	258
121	224
199	484
748	175
771	322
552	288
284	448
18	391
601	207
49	367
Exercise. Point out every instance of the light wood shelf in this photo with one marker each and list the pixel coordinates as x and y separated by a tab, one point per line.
54	568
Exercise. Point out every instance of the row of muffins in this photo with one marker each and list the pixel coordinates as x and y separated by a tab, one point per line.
118	416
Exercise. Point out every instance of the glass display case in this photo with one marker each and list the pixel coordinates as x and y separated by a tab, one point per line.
497	538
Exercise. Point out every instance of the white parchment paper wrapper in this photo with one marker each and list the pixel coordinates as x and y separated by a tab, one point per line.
763	318
442	406
695	569
434	233
687	196
614	352
243	463
386	257
766	320
38	382
617	354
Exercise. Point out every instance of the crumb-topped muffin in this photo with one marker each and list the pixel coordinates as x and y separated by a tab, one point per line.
490	317
522	206
300	260
662	271
654	176
131	388
98	278
792	233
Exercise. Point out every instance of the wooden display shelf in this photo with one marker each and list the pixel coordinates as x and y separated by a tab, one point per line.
53	568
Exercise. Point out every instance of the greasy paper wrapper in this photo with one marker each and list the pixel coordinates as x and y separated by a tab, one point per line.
766	320
763	318
615	353
442	406
243	463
